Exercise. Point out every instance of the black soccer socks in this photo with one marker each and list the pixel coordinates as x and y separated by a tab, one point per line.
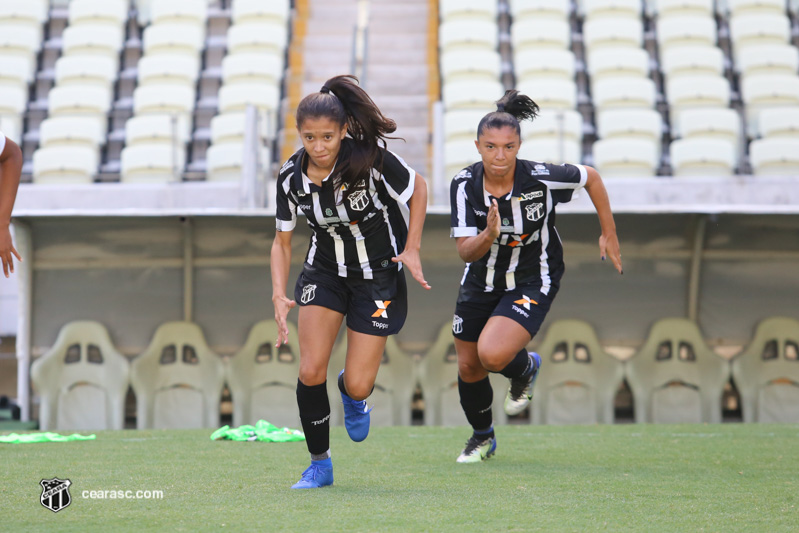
314	416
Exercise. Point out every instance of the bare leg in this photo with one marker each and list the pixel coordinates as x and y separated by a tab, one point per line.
364	353
318	328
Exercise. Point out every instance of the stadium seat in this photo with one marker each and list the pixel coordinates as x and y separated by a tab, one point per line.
65	164
461	124
174	39
85	70
539	10
224	161
467	35
82	380
19	40
11	126
98	12
531	34
682	8
71	131
477	94
84	100
767	59
703	157
611	9
553	124
551	94
249	67
259	12
615	33
438	378
675	378
625	157
624	93
766	373
551	150
459	154
157	129
188	12
774	157
754	30
168	69
767	91
756	7
467	10
230	128
163	99
580	380
257	38
30	13
464	65
177	380
719	123
631	124
263	379
13	99
535	64
779	122
617	62
152	163
16	69
393	391
686	31
94	39
698	60
237	96
696	92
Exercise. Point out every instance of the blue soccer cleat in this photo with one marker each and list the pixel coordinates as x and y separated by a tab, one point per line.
478	449
521	389
318	475
356	417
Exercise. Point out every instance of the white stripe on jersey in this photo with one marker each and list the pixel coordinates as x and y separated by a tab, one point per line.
317	208
312	249
363	257
492	262
462	204
510	276
283	225
408	192
546	281
342	265
391	235
518	221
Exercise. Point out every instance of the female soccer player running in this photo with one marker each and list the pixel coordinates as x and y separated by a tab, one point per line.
366	209
503	220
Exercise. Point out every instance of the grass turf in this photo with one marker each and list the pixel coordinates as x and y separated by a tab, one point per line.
729	477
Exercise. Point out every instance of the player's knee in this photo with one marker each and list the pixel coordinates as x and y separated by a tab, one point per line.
311	375
492	359
470	372
358	391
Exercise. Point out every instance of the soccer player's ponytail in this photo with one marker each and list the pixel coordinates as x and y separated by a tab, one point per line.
342	100
512	108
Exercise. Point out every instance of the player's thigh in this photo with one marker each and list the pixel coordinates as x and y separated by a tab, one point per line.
364	354
502	338
317	328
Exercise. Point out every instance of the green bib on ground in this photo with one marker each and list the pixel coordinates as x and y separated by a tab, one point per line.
25	438
262	431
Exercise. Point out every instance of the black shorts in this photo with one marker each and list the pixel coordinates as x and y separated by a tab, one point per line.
524	305
372	306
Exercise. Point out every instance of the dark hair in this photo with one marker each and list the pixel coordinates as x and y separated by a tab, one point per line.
512	108
342	100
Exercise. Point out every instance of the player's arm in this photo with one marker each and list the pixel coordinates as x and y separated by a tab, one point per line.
417	204
10	170
608	241
281	263
473	248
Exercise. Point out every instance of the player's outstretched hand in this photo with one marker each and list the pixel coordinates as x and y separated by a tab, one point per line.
282	307
609	247
410	258
7	252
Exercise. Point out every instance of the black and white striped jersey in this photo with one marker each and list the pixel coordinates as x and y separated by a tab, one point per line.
356	237
528	250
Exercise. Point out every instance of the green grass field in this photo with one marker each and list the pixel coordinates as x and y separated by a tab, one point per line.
730	477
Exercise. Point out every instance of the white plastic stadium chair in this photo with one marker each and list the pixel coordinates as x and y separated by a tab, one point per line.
85	70
692	61
19	40
16	69
691	92
468	35
686	31
611	9
258	11
716	123
531	34
98	12
702	157
767	91
65	164
551	94
630	123
539	9
681	8
173	39
477	94
459	65
11	126
774	157
92	100
30	13
224	162
606	32
163	99
168	69
467	10
625	157
779	122
94	39
618	62
624	93
71	131
533	64
461	124
157	129
767	59
152	163
237	96
554	124
257	38
753	30
13	99
249	67
459	154
756	7
551	150
189	12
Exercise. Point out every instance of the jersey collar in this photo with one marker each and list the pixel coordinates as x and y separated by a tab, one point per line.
301	179
518	176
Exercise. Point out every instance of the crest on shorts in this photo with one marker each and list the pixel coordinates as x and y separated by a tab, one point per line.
534	211
359	200
308	293
457	325
55	493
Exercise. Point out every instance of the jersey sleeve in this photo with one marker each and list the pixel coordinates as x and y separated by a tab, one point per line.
398	177
2	142
463	222
564	181
285	207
